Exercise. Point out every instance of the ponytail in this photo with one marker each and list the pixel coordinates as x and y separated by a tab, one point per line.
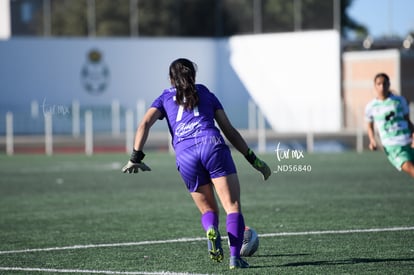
182	75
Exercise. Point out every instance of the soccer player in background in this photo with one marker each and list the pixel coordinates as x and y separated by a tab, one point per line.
202	157
390	113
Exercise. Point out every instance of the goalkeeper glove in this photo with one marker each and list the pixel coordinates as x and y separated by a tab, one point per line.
258	164
135	163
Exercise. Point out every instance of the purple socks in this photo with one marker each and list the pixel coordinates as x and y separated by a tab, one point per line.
209	219
235	231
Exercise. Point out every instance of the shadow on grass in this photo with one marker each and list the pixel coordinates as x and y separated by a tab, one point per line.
258	266
347	261
282	255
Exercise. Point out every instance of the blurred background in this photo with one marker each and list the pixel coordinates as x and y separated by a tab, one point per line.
77	75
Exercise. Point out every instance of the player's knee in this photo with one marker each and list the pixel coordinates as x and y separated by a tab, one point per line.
408	167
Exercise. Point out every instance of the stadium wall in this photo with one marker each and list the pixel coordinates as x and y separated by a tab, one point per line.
293	78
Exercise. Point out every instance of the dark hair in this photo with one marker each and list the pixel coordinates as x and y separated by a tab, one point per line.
383	75
182	75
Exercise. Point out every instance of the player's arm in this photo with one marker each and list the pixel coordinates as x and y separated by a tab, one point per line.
371	135
150	117
135	162
235	138
406	110
230	132
411	127
410	124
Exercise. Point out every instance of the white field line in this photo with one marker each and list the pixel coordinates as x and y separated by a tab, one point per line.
349	231
86	271
183	240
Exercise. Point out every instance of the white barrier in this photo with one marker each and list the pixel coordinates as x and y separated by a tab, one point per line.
115	112
34	109
48	134
9	134
75	118
260	135
129	130
88	133
309	141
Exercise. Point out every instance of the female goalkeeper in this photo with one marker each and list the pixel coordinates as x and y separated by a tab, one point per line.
390	114
202	157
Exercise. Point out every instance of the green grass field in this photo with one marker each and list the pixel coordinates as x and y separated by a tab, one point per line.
352	214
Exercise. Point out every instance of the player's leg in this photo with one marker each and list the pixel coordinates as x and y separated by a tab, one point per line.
198	183
206	202
204	199
228	190
401	157
408	167
404	157
216	158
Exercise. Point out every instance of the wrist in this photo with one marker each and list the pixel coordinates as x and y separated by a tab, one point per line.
250	156
137	156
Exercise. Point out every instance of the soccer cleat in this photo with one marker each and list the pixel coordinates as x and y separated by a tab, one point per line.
214	245
236	263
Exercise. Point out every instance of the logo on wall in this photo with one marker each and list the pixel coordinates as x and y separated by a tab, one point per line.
95	73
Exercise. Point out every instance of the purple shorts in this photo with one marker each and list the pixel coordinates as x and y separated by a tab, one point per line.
208	159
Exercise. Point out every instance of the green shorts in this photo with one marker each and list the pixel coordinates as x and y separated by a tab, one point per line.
397	155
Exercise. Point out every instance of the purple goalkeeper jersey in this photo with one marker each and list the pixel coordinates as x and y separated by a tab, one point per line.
189	127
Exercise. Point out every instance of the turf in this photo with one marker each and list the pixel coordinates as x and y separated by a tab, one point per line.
68	200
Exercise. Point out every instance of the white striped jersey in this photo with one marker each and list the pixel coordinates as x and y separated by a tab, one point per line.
388	116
